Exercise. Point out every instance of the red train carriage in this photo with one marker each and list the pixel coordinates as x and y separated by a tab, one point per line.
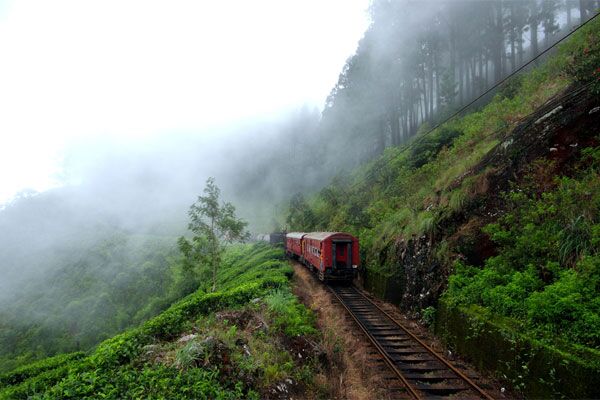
335	255
293	244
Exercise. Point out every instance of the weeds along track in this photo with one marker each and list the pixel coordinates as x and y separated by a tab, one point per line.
424	373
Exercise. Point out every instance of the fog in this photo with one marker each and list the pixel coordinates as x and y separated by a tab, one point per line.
114	114
73	71
85	260
146	187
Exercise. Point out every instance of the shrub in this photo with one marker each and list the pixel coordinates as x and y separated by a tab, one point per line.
113	369
547	273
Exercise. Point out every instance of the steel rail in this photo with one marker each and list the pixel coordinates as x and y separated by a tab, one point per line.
429	349
388	359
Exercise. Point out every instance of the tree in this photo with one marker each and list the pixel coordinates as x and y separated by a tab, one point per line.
548	15
534	22
300	215
213	225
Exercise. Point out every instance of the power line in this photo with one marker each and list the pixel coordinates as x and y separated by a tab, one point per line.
577	91
464	108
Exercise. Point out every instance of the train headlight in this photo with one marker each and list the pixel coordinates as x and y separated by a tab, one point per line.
354	266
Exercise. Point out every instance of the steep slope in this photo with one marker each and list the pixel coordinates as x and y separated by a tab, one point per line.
503	204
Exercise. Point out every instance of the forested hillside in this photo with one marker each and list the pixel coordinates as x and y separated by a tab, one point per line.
493	215
249	339
460	144
421	61
82	262
96	291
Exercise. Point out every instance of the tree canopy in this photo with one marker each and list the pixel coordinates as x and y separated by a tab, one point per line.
213	224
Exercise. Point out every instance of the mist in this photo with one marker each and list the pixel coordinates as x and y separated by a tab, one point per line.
73	256
115	116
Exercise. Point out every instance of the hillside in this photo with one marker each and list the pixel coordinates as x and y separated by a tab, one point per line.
495	211
249	339
478	214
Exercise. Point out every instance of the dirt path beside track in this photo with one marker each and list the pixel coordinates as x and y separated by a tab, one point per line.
355	368
353	371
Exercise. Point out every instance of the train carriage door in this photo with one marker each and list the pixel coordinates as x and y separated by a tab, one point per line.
342	251
334	254
349	255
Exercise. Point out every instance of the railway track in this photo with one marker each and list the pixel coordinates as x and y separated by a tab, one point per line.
424	373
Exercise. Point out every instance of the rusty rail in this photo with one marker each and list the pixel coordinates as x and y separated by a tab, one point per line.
423	372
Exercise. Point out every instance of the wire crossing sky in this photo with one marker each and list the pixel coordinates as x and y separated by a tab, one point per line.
74	70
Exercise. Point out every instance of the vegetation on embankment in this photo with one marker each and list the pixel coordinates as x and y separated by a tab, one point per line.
537	301
425	211
547	271
242	341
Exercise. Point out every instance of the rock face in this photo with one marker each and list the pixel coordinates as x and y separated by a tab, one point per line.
557	131
419	267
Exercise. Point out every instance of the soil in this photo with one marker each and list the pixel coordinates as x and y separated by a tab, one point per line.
356	370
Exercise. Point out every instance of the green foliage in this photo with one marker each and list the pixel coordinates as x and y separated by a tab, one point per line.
413	190
300	216
410	190
99	289
213	224
511	88
425	150
34	369
291	317
151	382
583	56
117	368
428	315
547	273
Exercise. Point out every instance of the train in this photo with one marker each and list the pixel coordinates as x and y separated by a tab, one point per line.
334	256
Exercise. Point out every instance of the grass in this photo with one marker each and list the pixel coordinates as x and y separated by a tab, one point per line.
547	273
222	361
545	277
410	190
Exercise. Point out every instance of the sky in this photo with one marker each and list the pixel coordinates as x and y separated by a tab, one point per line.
79	71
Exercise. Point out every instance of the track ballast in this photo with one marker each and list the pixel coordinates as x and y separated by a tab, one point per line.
424	373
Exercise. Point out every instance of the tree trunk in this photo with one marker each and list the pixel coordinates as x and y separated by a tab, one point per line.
453	54
437	83
461	96
582	11
395	126
498	43
520	47
480	65
430	89
425	108
214	276
213	244
474	80
487	75
513	37
467	81
533	27
380	143
513	58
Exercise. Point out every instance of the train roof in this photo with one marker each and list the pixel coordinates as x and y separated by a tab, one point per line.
325	235
295	235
